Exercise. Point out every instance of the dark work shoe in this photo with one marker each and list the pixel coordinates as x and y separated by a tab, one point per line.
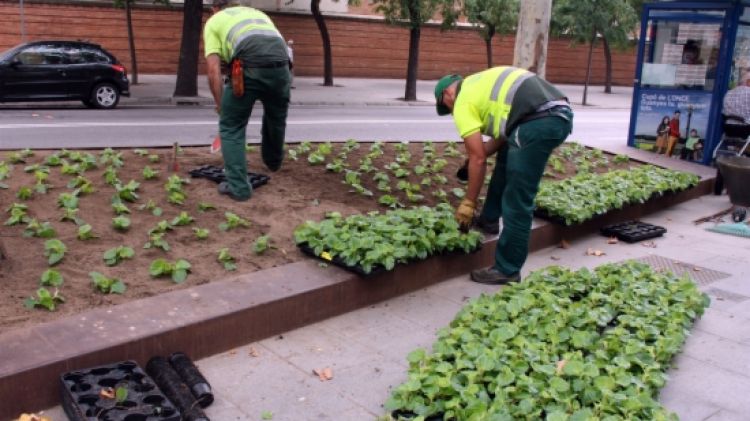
493	276
487	227
224	189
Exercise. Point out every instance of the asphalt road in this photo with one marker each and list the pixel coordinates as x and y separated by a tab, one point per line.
55	126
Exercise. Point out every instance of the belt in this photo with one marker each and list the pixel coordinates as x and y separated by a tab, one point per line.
271	65
562	111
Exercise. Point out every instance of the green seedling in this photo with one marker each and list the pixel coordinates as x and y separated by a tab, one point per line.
233	221
182	219
380	176
71	169
107	285
351	178
414	197
27	153
292	154
156	240
403	158
70	215
151	206
153	158
178	270
383	186
53	161
201	233
250	148
115	255
366	166
421	169
121	223
266	415
34	167
40	230
128	191
161	227
618	159
426	181
226	259
316	158
459	192
5	170
121	394
18	214
440	179
110	157
440	194
350	145
82	184
438	165
205	207
44	299
51	278
149	173
120	208
336	166
110	177
16	158
24	193
140	152
86	232
401	173
390	201
401	147
304	147
54	250
175	194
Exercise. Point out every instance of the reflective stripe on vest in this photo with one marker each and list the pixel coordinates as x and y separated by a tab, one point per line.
503	91
250	27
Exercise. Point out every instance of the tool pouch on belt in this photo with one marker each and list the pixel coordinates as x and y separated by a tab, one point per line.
238	78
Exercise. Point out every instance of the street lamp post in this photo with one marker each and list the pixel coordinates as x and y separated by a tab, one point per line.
23	24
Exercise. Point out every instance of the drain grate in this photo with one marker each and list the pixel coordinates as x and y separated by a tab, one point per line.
724	295
700	275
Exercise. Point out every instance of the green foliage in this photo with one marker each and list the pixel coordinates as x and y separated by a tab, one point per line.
51	278
153	158
24	193
149	173
140	152
121	223
262	244
71	169
5	170
205	206
233	221
54	250
110	176
459	192
71	215
17	213
151	206
161	227
40	230
16	158
111	158
584	196
53	160
120	208
107	285
44	299
81	185
226	259
115	255
175	194
201	233
128	191
584	345
386	239
67	200
86	232
178	270
156	240
620	159
390	201
182	219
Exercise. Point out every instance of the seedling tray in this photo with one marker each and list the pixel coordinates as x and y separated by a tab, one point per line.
216	174
633	231
335	260
82	399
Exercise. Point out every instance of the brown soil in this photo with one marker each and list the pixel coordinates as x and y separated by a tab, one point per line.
296	193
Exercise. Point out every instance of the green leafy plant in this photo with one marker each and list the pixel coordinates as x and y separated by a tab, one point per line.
156	240
292	154
119	207
226	259
562	345
110	157
70	215
620	159
17	213
390	201
375	240
201	233
151	206
205	207
86	232
107	285
16	158
5	170
178	270
262	244
250	148
451	150
115	255
337	165
140	152
440	179
44	299
111	177
54	250
182	219
71	169
38	229
128	192
67	200
233	221
24	193
81	184
51	278
459	192
149	173
153	158
175	194
161	227
121	223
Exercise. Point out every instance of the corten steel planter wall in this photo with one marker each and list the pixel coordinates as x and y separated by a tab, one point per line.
215	317
362	47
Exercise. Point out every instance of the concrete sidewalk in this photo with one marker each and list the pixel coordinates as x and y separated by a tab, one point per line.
367	349
159	89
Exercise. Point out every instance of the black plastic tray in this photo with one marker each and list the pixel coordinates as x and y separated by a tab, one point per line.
335	260
216	174
82	401
633	231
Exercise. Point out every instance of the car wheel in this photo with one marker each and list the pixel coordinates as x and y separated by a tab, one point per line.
105	96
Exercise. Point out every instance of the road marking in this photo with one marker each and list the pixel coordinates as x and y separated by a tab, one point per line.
82	124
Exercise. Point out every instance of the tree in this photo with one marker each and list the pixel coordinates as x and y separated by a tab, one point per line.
492	17
532	35
128	5
187	69
327	57
612	20
414	14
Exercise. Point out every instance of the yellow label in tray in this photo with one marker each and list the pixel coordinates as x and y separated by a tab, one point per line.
326	256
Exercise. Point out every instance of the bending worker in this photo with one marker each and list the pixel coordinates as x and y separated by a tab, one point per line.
526	118
247	40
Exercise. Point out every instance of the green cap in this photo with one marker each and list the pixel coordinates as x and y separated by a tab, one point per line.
443	83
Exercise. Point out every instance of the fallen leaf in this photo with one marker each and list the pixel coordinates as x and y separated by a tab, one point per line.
324	374
253	352
107	393
564	244
612	240
554	258
592	252
560	366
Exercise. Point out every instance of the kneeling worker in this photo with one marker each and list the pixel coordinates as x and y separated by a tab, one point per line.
247	40
526	118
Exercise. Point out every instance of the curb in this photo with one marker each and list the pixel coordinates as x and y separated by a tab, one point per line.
252	307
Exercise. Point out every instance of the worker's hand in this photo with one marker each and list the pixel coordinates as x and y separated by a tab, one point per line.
465	214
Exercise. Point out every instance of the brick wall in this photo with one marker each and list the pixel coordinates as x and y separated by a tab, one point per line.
361	47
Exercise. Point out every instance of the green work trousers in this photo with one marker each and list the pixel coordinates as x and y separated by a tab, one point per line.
514	184
271	87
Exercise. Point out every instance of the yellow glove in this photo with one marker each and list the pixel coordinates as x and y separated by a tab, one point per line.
465	213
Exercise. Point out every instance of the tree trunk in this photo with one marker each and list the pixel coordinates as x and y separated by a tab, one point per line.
413	65
531	37
327	59
131	43
488	44
608	69
187	70
588	67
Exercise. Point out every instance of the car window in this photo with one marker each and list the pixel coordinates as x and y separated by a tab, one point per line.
43	54
94	55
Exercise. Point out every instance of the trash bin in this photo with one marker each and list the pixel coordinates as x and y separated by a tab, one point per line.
736	173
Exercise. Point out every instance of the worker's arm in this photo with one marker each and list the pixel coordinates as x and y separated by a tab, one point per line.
477	157
214	79
491	147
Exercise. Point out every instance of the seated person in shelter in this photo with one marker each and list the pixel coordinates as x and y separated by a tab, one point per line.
737	102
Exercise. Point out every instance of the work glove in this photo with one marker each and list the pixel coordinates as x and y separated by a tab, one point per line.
463	172
465	214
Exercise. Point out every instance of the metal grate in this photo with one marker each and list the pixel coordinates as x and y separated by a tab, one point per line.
700	275
724	295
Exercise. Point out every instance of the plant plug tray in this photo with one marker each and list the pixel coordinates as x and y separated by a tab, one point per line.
216	174
633	231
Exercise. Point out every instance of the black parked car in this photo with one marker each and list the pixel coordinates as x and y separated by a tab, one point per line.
62	70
